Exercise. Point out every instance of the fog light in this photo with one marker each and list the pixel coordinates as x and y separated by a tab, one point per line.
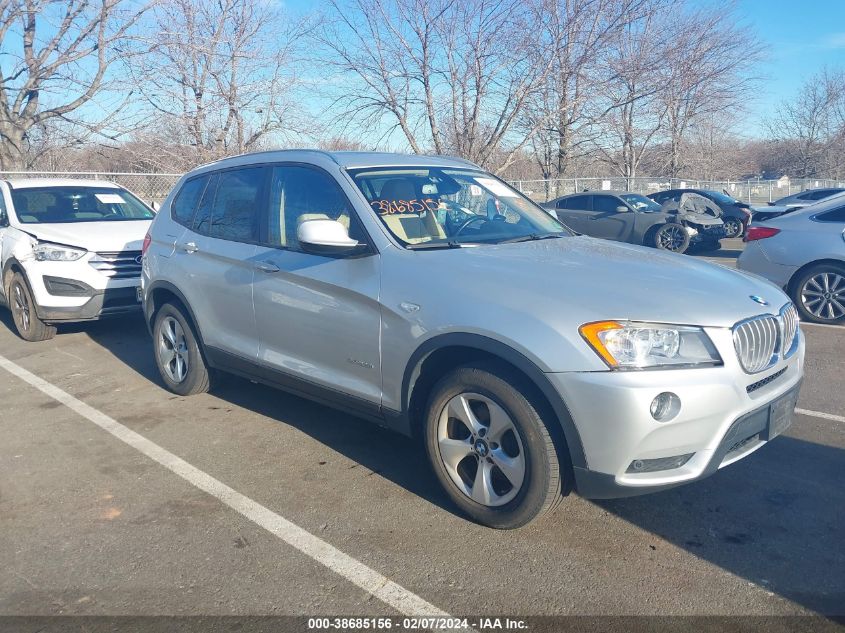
663	463
664	406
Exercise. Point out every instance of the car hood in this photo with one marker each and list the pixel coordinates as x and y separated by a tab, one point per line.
121	235
589	279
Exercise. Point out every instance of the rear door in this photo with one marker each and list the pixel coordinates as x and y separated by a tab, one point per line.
215	258
575	213
318	317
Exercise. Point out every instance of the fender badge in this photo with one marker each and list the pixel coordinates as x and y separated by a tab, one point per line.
759	300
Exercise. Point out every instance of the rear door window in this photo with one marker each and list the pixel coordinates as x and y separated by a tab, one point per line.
579	203
238	204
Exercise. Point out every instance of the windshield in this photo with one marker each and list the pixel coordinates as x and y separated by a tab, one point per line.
65	205
433	206
721	198
640	202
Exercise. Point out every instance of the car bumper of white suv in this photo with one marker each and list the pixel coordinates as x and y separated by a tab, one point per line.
77	291
725	414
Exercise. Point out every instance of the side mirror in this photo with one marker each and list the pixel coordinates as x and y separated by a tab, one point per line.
327	237
621	209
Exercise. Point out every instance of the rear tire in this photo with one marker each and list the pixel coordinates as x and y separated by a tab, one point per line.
733	227
24	314
819	294
177	352
672	237
490	449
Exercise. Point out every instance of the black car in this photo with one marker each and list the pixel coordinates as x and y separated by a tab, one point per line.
736	215
621	216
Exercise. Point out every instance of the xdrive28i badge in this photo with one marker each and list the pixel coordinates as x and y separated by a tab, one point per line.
759	299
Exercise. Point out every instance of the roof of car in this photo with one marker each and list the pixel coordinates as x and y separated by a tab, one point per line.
345	159
598	192
29	183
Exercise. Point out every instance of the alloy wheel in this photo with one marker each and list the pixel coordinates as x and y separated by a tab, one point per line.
733	228
173	349
480	447
823	296
671	238
21	304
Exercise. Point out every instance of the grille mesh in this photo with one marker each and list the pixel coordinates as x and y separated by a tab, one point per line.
118	265
756	342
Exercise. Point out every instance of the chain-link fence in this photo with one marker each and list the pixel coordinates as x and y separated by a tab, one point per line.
155	187
751	191
148	187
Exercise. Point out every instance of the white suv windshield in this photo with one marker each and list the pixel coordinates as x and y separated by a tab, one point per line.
64	205
440	207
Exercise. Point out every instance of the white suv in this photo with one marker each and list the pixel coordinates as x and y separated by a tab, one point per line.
70	250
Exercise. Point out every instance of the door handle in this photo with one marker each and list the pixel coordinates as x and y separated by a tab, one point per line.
267	267
189	247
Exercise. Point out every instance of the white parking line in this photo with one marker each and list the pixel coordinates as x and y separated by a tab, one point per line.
353	570
821	414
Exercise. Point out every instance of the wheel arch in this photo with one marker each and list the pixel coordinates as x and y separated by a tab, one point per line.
790	285
161	292
445	352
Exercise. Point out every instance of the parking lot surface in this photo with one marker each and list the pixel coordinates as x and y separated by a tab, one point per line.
92	525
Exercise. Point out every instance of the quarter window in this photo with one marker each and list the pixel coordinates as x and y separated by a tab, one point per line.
185	203
299	194
837	215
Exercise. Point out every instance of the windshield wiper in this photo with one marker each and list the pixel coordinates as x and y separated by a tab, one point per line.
531	237
434	245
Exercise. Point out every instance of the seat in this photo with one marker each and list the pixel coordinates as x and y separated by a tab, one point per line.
411	228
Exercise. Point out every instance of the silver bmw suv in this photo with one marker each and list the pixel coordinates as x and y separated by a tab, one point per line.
436	300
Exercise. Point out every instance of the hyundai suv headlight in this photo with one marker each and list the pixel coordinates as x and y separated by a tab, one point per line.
46	252
633	345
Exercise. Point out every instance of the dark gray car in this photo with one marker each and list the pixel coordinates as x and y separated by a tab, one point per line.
617	215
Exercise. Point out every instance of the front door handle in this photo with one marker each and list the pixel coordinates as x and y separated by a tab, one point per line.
189	247
267	267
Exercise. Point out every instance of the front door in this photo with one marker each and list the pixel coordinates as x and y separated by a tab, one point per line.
318	317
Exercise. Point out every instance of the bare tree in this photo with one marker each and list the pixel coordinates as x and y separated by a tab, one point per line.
450	76
634	115
809	131
59	54
574	34
219	75
707	69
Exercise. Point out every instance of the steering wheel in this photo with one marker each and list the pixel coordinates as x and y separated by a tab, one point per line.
467	222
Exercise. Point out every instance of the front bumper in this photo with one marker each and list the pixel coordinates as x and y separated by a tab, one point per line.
101	304
611	413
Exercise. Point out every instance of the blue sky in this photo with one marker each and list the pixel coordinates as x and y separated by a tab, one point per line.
802	37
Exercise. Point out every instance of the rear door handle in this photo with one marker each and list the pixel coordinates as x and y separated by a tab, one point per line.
267	267
189	247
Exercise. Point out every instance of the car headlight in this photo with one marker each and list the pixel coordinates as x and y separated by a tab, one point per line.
45	252
633	345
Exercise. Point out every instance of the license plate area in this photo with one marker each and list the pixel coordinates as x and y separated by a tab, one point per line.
781	412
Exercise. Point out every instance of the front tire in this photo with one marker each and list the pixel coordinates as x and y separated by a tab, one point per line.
29	326
671	237
177	353
490	449
819	294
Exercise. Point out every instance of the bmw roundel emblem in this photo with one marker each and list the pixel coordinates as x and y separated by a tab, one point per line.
758	299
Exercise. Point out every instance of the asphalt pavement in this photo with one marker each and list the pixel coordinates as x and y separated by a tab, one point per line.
94	521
